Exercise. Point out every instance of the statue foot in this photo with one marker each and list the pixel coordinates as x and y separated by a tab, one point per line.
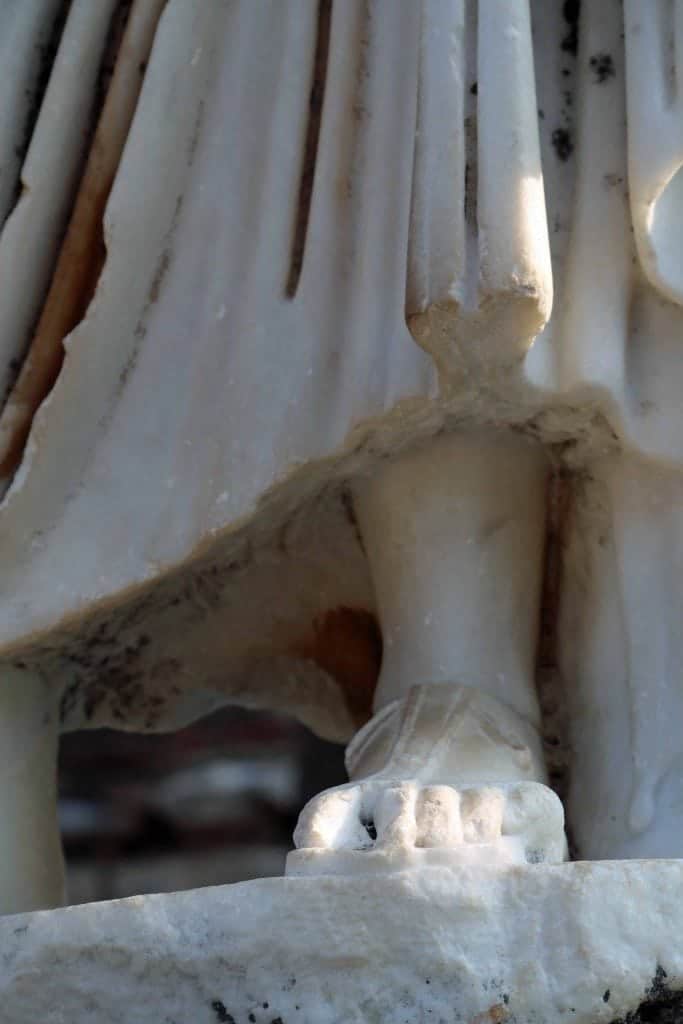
498	824
448	776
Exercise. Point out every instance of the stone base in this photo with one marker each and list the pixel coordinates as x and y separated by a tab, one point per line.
580	943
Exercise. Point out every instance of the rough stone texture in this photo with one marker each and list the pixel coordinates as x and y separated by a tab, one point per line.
580	942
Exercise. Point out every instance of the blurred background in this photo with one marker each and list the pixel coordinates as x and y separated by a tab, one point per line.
211	804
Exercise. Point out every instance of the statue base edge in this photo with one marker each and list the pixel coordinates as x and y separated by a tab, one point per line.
538	944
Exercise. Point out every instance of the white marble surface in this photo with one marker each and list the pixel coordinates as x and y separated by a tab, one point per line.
205	418
181	524
25	29
446	776
621	650
201	408
33	232
535	945
31	861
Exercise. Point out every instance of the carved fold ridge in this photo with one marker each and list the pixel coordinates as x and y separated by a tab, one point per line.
32	233
479	255
654	56
29	36
82	253
310	153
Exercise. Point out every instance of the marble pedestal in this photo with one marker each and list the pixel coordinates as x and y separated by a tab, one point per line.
581	943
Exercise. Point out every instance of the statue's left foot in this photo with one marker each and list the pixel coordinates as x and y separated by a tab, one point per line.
417	797
509	823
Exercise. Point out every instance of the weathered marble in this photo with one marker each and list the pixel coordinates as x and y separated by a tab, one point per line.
535	945
446	776
483	240
621	651
211	407
451	765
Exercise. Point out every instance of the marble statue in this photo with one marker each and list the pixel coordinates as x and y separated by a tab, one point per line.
340	351
450	766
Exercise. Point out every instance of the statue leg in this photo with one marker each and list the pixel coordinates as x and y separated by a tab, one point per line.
621	648
450	766
31	862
